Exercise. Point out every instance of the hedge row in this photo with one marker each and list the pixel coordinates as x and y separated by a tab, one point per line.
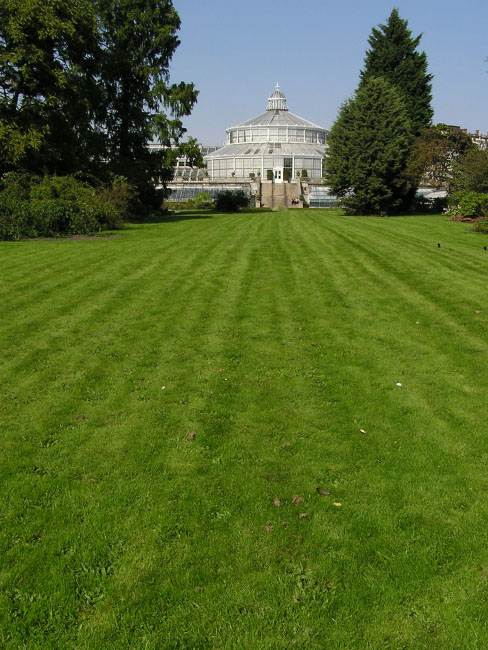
48	207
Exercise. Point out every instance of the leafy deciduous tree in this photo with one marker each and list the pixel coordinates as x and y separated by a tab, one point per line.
138	40
47	67
435	152
471	171
84	86
189	149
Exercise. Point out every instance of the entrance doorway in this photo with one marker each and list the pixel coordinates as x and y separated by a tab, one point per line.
278	174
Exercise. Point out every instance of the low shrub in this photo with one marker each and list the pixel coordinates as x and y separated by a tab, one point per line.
51	217
231	200
14	224
15	187
31	206
269	174
304	173
66	188
481	225
177	205
203	201
468	204
112	203
172	206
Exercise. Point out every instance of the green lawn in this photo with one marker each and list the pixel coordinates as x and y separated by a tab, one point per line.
172	398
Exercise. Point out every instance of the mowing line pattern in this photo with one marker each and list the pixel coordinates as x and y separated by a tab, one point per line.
171	399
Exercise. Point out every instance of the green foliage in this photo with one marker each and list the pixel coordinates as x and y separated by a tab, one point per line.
108	205
231	200
48	218
368	149
366	164
47	82
46	207
139	103
53	217
15	187
435	153
85	86
173	206
482	226
467	203
393	55
66	188
471	171
304	173
203	201
115	200
189	149
269	174
286	174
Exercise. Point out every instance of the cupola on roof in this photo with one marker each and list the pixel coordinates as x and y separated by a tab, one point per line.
277	100
277	114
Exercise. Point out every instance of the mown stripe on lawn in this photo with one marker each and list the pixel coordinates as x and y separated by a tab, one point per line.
277	337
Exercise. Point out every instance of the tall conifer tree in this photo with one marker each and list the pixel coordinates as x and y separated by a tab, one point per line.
393	55
369	145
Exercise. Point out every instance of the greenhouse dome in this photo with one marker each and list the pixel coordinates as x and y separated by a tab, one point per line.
275	140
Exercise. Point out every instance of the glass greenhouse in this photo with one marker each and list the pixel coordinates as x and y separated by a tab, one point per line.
275	140
319	197
185	192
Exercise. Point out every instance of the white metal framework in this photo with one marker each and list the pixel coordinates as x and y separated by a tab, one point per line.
274	140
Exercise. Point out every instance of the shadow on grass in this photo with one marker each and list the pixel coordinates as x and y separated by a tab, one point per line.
184	215
255	210
166	217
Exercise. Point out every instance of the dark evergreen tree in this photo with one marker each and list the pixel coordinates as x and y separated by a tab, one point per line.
369	145
393	55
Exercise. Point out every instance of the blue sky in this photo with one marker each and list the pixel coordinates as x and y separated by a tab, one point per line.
235	52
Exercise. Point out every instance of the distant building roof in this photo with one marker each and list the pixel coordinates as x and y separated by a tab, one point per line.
277	114
274	140
269	148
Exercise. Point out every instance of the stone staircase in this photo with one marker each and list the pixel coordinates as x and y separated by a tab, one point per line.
279	195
